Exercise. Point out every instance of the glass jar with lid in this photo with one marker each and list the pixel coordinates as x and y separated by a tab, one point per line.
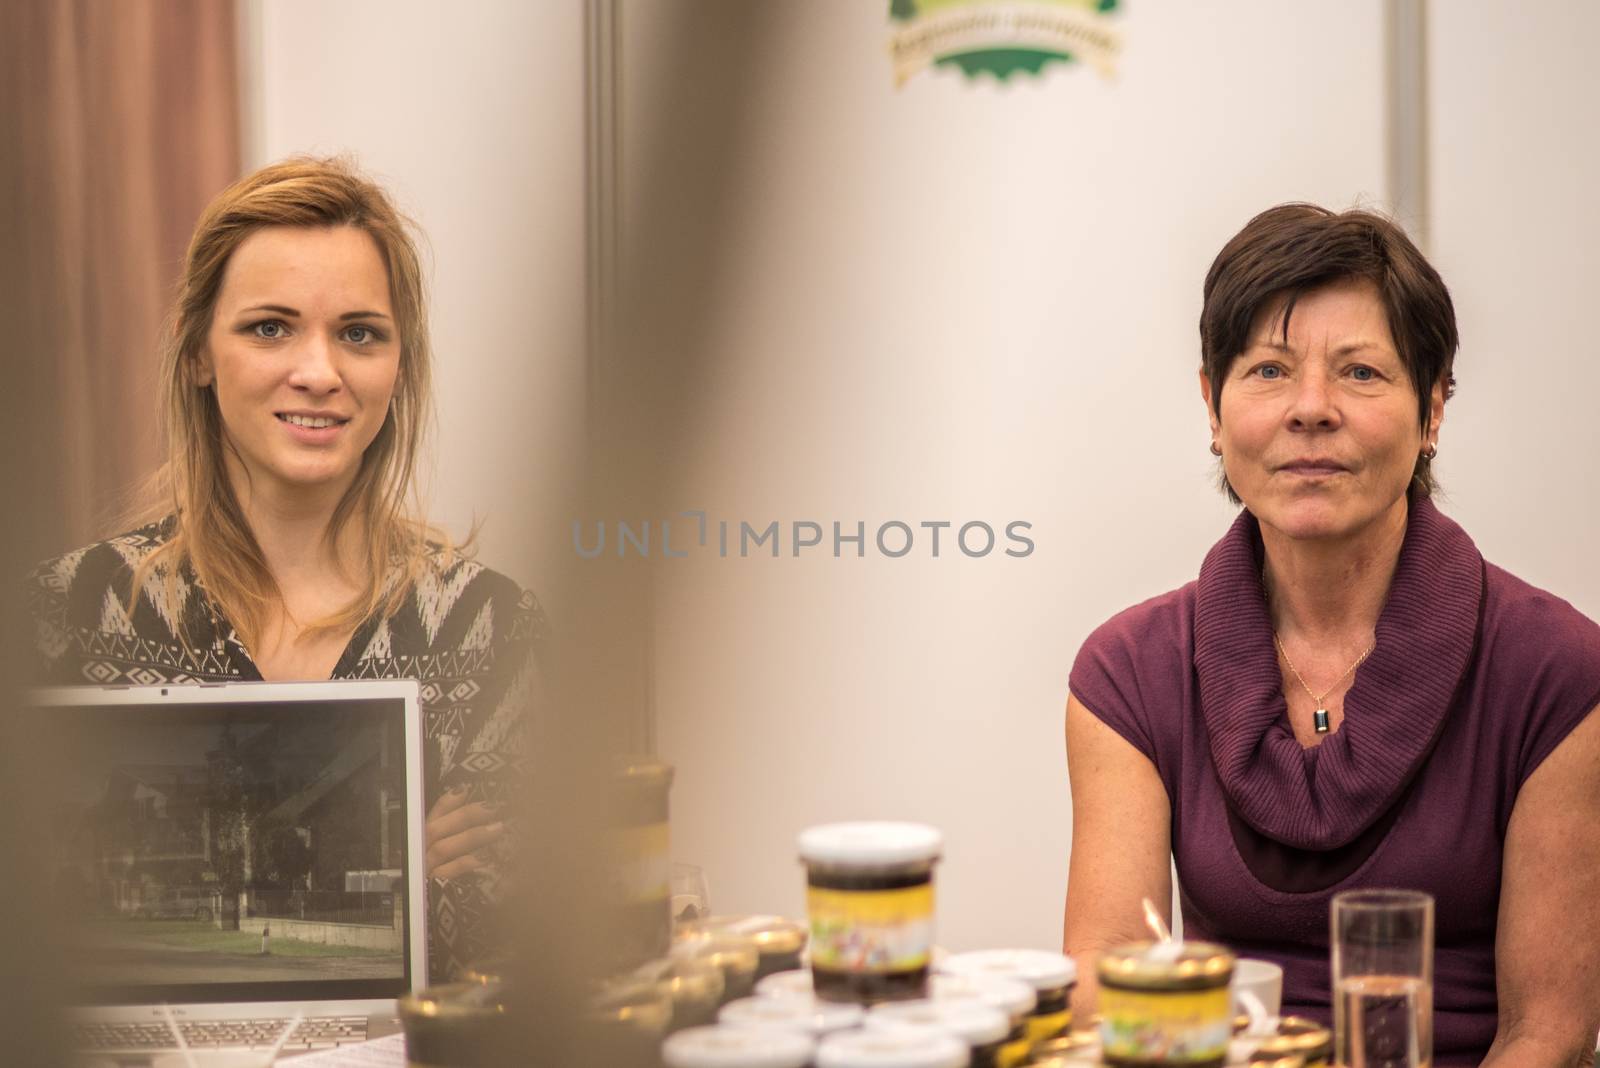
869	895
1166	1003
909	1046
1051	975
1011	996
737	1047
984	1028
809	1014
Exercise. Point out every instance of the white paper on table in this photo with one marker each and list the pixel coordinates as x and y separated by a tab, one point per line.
386	1052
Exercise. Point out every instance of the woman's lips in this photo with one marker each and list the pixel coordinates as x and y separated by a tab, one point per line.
1312	468
313	435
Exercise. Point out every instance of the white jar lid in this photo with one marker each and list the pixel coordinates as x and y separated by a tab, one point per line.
1039	968
810	1015
907	1046
737	1047
972	1021
796	983
869	844
1011	996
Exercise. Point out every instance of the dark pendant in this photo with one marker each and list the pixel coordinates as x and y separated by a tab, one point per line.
1319	720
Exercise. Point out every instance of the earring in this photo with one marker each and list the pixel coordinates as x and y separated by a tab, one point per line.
1430	452
1216	450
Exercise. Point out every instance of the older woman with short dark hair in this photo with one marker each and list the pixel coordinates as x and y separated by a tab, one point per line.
1348	695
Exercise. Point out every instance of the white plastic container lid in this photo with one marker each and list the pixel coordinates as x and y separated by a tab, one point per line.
1011	996
1039	968
737	1047
906	1046
790	984
868	845
810	1015
972	1021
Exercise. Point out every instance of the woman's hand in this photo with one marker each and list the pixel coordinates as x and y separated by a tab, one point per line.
458	834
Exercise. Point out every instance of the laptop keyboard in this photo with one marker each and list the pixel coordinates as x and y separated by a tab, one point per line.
318	1032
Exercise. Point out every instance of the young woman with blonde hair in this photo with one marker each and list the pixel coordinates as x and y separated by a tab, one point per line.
285	539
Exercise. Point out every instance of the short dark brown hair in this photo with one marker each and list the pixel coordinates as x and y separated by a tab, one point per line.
1292	249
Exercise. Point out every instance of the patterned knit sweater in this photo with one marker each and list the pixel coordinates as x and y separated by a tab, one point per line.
470	636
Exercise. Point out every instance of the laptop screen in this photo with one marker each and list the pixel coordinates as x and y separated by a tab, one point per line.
232	851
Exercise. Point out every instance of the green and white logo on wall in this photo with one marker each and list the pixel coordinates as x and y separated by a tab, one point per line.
1001	37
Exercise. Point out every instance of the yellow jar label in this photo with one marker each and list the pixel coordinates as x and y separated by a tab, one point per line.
1013	1053
871	930
1170	1026
1046	1026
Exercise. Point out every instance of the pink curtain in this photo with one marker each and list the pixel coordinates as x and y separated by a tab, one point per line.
125	116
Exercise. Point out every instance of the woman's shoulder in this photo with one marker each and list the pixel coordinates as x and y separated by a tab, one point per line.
1160	628
458	600
1540	665
1138	662
85	575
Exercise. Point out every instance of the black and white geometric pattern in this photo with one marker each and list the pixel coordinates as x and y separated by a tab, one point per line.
470	636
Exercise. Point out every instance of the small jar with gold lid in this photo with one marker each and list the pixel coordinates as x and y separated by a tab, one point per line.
627	1019
778	941
457	1025
1166	1003
1297	1037
736	956
1074	1045
695	984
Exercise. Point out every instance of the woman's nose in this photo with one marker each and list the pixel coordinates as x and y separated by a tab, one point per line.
1312	405
314	369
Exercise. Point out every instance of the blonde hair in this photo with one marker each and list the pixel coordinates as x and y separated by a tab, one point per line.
210	531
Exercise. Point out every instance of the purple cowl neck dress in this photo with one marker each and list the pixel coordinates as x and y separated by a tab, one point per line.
1476	677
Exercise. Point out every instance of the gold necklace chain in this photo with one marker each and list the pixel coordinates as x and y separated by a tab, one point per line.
1319	718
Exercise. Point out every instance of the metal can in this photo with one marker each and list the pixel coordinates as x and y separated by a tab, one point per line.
1052	976
1166	1004
869	896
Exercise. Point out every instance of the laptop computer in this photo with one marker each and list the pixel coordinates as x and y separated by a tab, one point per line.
233	856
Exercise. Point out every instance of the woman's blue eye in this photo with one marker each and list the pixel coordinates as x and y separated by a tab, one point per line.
270	329
1271	372
1363	374
360	335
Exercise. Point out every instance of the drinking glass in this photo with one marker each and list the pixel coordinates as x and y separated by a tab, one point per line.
690	898
1382	979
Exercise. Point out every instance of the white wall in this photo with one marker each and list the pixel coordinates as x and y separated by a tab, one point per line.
1516	167
472	115
960	301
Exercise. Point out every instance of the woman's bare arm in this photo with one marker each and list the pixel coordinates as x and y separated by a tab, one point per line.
1547	945
1121	846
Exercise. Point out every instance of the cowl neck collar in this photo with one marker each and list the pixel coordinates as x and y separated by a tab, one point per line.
1322	798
